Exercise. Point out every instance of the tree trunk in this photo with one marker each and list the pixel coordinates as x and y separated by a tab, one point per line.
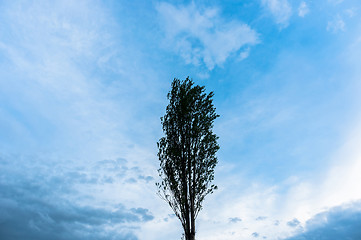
193	221
193	228
189	236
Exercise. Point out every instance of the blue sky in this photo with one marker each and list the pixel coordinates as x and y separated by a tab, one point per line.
83	85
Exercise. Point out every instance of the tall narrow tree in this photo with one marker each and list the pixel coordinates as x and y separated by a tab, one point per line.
187	152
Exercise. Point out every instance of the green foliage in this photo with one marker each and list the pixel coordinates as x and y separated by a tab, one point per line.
187	152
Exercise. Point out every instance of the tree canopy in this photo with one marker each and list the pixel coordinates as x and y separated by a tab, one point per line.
187	152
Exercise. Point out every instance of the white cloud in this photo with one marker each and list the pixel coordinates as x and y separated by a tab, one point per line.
336	25
244	54
303	9
342	222
203	36
343	180
280	9
339	186
351	12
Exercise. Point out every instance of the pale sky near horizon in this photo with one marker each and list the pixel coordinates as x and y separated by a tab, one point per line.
83	85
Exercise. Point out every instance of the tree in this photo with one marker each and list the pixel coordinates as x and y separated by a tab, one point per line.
187	152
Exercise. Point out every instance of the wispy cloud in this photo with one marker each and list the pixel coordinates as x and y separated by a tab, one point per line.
281	11
203	36
244	54
293	223
61	115
351	12
261	218
336	25
303	9
235	220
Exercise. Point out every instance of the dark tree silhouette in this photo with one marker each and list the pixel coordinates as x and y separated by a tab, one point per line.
187	152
